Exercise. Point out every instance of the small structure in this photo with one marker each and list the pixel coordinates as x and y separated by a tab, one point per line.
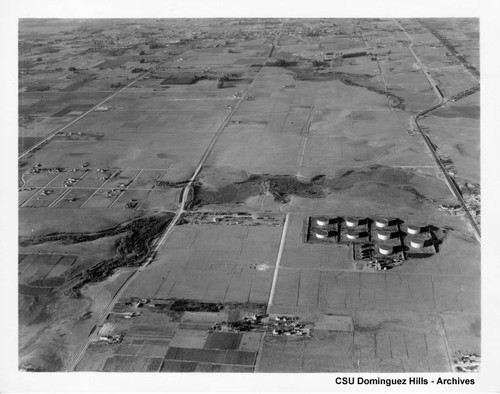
351	222
381	223
322	221
384	235
413	229
385	249
321	234
352	234
417	243
329	56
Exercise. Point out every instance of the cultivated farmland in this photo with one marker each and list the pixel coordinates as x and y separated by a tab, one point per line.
265	195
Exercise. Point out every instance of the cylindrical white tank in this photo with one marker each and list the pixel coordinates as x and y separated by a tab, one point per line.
413	229
352	235
321	234
385	249
384	235
351	222
381	223
417	243
321	221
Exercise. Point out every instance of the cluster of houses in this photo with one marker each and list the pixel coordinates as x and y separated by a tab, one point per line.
277	325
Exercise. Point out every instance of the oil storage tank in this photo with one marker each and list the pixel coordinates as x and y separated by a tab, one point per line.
385	249
352	235
417	242
381	223
383	235
322	221
351	222
413	229
321	234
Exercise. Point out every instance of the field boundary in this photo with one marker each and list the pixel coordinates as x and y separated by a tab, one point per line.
55	132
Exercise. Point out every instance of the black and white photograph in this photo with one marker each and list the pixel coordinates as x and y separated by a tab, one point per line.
249	193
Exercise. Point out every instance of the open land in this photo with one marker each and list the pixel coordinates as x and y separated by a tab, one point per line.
173	175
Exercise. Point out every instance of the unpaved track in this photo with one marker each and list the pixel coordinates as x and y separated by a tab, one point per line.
51	135
182	208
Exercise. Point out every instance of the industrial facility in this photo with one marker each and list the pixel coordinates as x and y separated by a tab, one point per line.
380	242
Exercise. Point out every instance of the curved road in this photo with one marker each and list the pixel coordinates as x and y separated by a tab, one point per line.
451	184
449	181
182	209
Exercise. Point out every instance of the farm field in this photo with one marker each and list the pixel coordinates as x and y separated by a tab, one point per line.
212	263
170	170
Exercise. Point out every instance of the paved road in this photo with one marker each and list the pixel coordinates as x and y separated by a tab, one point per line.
182	209
51	135
424	69
443	101
471	70
450	182
95	330
277	264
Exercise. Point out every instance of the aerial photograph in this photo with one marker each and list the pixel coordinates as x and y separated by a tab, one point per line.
265	194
